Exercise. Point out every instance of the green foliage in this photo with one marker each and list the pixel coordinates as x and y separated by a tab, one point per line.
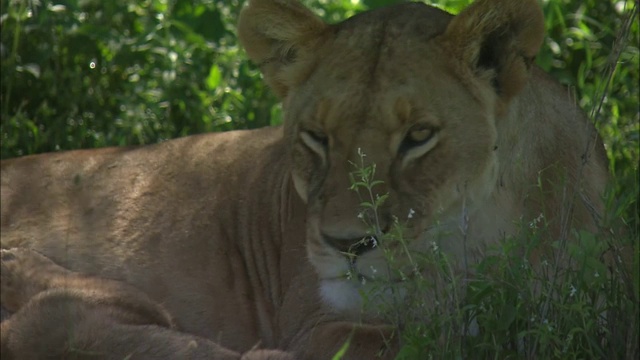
88	73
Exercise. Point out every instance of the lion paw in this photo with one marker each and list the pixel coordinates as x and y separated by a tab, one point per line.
23	274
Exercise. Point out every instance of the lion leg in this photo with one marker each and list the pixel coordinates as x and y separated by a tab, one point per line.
23	274
324	340
27	275
62	314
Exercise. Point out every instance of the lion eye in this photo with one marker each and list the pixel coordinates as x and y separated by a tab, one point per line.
417	137
316	141
318	137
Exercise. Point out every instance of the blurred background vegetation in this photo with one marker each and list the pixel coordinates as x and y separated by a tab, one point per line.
91	73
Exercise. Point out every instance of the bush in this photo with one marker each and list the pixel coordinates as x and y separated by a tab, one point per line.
91	73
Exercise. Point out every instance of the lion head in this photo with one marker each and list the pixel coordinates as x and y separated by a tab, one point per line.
408	89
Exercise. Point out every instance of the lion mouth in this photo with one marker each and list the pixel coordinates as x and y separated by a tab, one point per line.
362	265
351	247
356	277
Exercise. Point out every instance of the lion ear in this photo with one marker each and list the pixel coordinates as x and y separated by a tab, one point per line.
498	40
279	36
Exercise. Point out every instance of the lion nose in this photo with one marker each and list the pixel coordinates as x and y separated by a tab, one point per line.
352	246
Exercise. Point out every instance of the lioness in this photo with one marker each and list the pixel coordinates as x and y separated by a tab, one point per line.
205	246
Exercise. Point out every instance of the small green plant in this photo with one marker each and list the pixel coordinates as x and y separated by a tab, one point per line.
414	295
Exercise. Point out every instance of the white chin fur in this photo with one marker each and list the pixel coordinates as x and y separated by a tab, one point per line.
341	295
